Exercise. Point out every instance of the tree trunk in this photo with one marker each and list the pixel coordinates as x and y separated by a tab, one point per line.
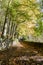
5	23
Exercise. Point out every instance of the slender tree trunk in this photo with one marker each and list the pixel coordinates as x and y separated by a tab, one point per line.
5	23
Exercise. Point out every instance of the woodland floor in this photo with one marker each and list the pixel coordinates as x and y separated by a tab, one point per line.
31	54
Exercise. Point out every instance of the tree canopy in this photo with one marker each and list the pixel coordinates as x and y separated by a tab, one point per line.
21	18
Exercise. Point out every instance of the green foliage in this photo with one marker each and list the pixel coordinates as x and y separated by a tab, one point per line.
20	11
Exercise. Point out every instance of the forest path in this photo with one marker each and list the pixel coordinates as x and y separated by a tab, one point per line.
16	43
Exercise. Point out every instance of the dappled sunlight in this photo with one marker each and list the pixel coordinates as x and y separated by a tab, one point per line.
16	43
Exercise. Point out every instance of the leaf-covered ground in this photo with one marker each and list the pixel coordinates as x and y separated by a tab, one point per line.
31	54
